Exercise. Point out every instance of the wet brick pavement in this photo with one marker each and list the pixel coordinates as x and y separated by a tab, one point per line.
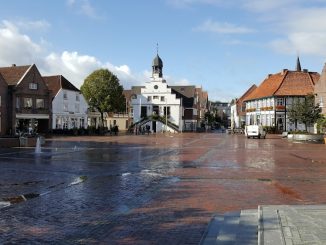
157	189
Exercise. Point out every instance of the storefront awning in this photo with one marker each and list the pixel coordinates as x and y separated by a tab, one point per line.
32	116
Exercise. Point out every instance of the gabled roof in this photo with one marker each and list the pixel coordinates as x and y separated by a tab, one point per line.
57	82
244	97
14	74
187	91
286	83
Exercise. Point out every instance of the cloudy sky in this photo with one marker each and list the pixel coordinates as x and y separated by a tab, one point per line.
223	46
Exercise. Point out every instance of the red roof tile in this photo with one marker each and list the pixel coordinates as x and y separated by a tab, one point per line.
55	83
244	97
286	83
13	74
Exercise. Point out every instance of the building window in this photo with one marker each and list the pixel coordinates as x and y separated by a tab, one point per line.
33	86
77	108
77	97
65	96
28	102
168	111
155	97
65	107
279	101
149	98
162	98
65	123
39	103
143	112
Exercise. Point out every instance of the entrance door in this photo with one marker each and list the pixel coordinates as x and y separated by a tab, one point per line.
156	110
154	126
280	123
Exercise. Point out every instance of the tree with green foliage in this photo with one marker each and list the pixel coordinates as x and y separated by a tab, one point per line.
305	111
103	92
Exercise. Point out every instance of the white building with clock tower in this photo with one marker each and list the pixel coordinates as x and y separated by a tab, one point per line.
156	105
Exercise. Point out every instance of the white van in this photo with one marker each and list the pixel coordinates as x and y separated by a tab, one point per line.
255	131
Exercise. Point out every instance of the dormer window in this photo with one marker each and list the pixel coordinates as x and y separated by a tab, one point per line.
33	86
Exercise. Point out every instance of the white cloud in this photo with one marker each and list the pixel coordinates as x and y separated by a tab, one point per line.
222	28
268	5
301	30
84	7
71	2
16	47
39	25
302	42
189	3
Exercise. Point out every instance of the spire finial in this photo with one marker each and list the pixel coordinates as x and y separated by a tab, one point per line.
157	48
298	64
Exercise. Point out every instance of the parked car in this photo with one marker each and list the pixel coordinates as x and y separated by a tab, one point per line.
255	131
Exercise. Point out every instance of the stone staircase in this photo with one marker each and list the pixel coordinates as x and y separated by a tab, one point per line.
232	228
269	225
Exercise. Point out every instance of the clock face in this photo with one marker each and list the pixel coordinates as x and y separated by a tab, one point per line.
155	87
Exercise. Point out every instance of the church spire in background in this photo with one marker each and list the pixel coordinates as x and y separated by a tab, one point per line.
298	64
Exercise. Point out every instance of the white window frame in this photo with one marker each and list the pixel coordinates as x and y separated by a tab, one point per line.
32	86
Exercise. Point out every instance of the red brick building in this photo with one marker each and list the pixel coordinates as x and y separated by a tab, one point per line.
26	107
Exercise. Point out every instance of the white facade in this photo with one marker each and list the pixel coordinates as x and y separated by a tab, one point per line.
69	110
272	112
154	98
235	119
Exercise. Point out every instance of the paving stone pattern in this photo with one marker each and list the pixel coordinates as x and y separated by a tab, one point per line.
156	189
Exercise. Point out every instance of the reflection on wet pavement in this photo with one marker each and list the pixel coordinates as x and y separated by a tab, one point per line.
148	189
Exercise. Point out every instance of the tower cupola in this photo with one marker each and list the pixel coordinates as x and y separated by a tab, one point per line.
157	67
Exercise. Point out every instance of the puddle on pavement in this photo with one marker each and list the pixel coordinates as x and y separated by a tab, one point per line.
8	201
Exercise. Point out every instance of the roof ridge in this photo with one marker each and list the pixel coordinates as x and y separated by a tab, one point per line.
21	79
311	80
279	86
